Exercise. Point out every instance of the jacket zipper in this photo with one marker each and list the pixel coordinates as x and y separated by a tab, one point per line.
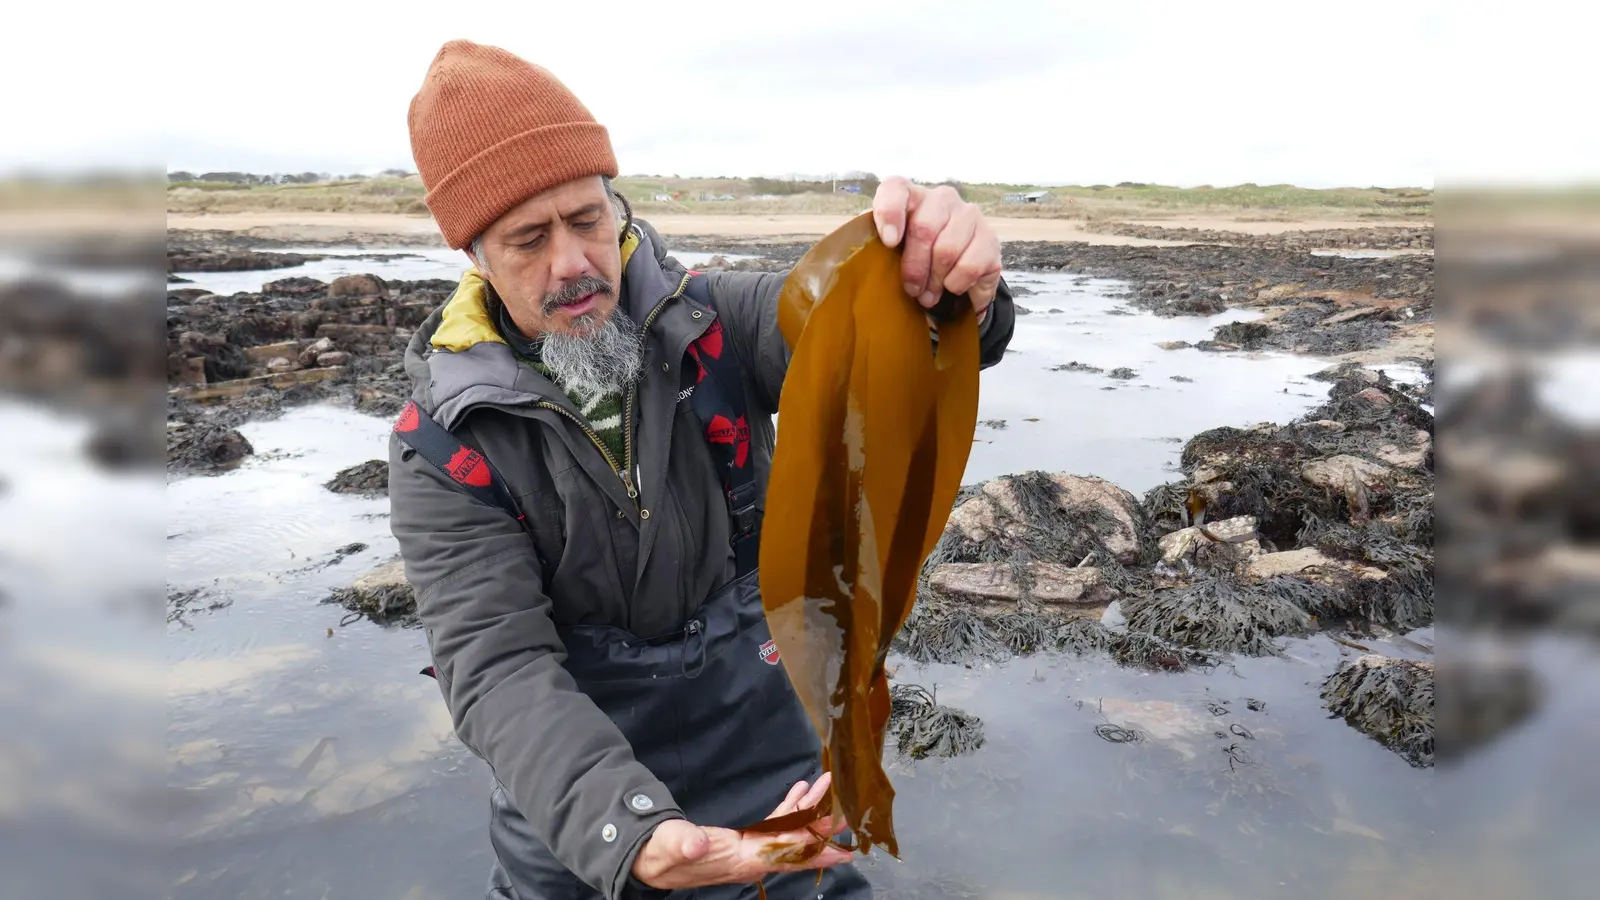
628	403
623	471
599	444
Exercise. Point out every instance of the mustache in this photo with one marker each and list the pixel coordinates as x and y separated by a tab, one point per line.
588	284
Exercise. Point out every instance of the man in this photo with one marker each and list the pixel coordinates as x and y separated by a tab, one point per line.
582	556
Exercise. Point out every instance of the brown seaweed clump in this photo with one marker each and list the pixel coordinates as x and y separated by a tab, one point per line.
203	446
1222	613
923	728
382	595
370	478
1389	700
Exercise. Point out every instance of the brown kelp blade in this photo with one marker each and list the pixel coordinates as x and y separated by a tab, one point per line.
876	431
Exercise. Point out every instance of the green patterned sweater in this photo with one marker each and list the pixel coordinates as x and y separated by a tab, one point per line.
603	411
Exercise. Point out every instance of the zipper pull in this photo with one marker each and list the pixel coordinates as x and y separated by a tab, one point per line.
633	493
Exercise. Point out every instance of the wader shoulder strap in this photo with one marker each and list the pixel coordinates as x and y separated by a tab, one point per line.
465	466
718	401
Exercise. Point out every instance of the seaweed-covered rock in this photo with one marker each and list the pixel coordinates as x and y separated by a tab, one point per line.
308	356
923	728
296	286
1221	612
1414	454
1076	366
221	360
1017	507
1311	563
204	447
1389	700
357	286
382	595
997	586
1351	477
1181	545
370	478
1245	335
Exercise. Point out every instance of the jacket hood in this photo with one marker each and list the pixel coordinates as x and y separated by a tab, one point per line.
457	359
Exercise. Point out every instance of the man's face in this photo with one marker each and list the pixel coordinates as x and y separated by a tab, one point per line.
554	259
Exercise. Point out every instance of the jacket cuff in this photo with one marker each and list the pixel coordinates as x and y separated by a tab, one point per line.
632	837
994	332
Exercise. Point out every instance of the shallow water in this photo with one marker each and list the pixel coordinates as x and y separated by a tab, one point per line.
1127	431
406	264
307	758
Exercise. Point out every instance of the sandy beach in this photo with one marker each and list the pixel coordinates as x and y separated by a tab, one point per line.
330	226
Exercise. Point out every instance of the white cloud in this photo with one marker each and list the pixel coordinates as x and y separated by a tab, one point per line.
1144	90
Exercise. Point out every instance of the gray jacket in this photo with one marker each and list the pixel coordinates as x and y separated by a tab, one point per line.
491	599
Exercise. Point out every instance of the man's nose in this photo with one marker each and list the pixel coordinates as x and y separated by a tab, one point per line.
567	262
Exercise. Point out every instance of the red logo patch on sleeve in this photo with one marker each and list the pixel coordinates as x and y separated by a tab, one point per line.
769	653
409	418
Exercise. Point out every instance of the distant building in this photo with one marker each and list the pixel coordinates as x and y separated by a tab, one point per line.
664	198
850	189
1029	197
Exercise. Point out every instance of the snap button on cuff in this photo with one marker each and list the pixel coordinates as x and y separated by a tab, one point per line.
697	314
641	802
608	833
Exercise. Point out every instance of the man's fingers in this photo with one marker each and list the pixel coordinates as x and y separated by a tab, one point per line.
916	259
695	843
983	291
977	272
814	795
791	802
948	251
894	199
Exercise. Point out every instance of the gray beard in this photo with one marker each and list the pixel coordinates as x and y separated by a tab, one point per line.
597	360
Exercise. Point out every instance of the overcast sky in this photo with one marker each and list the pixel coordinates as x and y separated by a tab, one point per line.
1172	91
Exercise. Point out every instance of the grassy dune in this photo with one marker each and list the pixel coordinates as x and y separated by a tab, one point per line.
1088	203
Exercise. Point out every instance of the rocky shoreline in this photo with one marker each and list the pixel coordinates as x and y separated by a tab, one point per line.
1368	308
1393	238
1275	531
297	340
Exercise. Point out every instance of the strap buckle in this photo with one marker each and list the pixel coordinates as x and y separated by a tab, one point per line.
742	510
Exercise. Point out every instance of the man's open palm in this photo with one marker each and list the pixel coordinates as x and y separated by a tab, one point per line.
681	854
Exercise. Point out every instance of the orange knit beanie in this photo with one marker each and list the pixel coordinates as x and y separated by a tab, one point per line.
489	130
